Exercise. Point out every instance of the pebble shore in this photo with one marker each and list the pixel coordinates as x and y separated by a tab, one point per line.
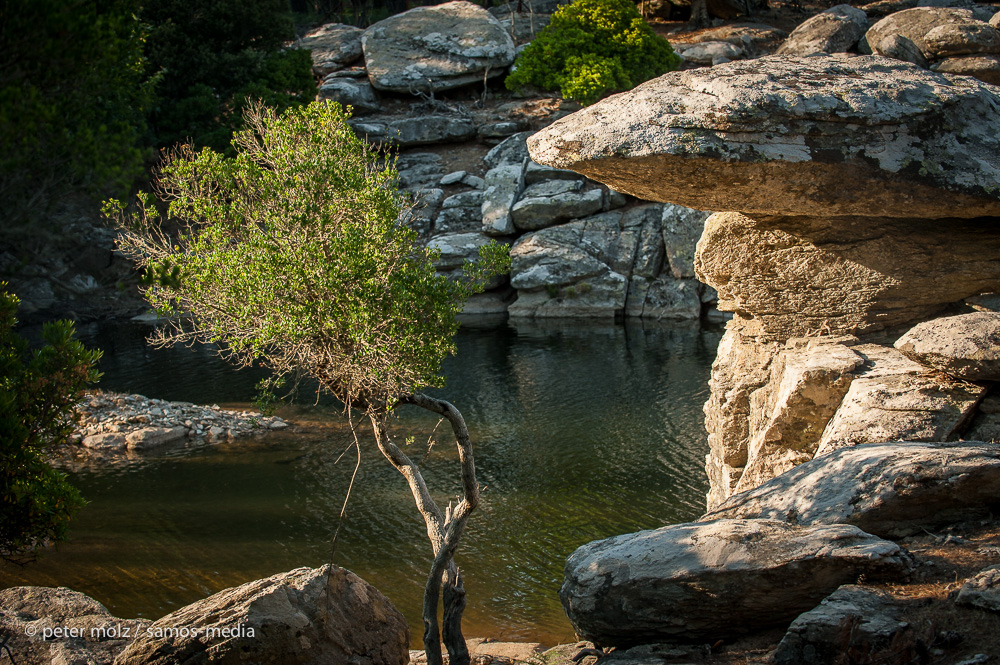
116	421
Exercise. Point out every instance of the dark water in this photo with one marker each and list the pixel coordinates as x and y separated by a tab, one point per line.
581	432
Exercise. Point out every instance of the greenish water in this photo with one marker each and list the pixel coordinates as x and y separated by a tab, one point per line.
580	432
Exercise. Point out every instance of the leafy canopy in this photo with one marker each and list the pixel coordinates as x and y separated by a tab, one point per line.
592	48
37	393
292	252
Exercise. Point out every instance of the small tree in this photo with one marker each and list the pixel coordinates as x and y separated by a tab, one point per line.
292	253
37	392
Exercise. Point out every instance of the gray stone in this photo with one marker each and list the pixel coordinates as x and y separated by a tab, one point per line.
511	151
419	170
966	346
789	135
887	489
473	181
902	48
333	46
719	579
833	30
425	207
500	130
489	303
709	53
538	210
893	398
356	93
429	129
682	227
915	24
435	48
452	178
536	173
90	634
663	298
105	441
459	219
457	248
304	616
754	39
983	67
862	624
504	185
463	199
982	590
962	38
615	200
150	437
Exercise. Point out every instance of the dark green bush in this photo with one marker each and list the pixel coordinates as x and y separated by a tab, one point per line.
73	100
212	56
37	393
592	48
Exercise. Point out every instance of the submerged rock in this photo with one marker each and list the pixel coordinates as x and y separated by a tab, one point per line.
714	580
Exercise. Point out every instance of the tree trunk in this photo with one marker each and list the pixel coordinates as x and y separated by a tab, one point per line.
444	531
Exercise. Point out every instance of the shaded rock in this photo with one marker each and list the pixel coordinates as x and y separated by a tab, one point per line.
902	48
490	302
472	198
836	29
419	170
983	67
459	219
452	178
434	48
504	184
789	135
982	590
417	130
710	53
549	203
425	206
494	131
511	151
333	45
320	615
964	38
797	276
356	93
754	39
663	298
854	624
90	634
808	381
966	346
682	227
536	173
105	441
154	436
719	579
914	24
457	248
985	425
886	489
892	398
524	26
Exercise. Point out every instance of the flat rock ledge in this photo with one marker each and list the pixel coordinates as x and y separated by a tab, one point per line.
715	580
117	421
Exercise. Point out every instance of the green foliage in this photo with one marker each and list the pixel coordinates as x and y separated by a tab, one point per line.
592	48
73	100
215	55
37	393
292	252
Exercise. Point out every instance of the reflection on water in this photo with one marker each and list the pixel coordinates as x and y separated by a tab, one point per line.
581	432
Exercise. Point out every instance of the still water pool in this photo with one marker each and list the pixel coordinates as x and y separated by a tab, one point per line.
581	431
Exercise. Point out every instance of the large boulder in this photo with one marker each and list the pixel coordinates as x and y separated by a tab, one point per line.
982	590
936	31
551	202
966	346
790	136
435	48
346	91
887	489
983	67
714	580
834	30
43	625
333	46
321	615
797	276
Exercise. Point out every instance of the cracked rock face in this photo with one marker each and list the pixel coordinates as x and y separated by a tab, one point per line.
713	580
790	135
436	48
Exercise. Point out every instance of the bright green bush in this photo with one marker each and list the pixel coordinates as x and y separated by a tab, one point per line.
592	48
37	393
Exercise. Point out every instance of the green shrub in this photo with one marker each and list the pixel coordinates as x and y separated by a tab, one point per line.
592	48
37	393
214	55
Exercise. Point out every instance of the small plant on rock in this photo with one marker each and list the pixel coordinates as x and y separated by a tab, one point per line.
592	48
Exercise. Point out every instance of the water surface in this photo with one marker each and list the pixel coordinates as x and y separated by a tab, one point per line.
581	431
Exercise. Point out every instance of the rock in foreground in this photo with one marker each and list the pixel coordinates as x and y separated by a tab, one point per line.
790	135
308	616
714	580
